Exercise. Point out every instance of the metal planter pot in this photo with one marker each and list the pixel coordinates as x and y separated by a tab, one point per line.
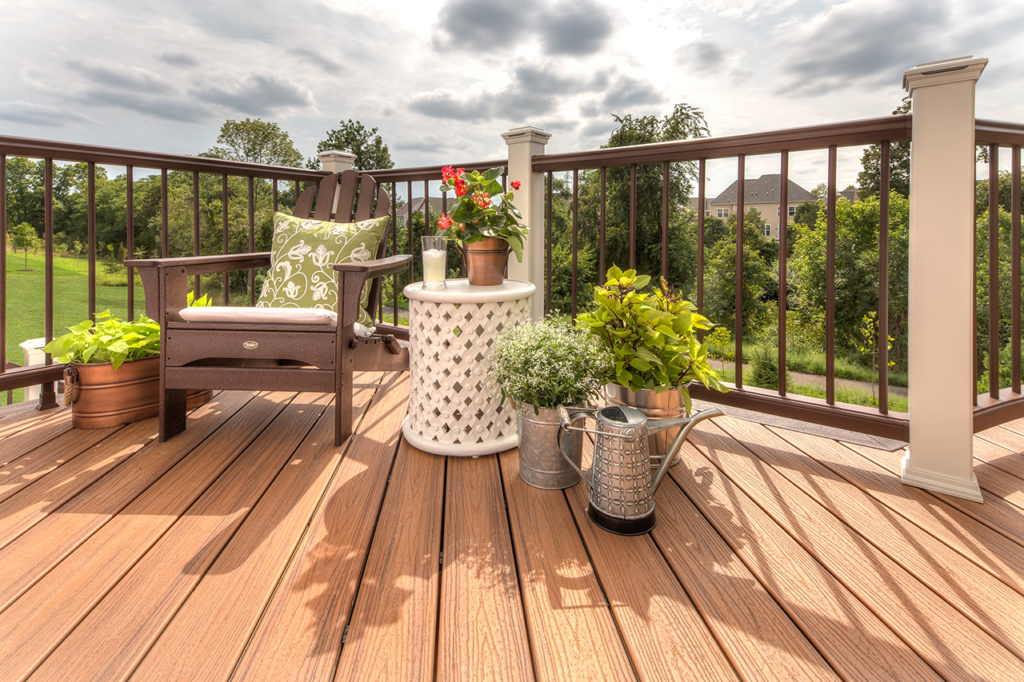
540	461
103	397
665	405
486	261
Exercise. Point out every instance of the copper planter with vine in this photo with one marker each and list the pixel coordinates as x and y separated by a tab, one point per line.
101	396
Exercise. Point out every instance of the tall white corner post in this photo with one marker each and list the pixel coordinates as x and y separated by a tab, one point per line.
942	163
523	144
337	161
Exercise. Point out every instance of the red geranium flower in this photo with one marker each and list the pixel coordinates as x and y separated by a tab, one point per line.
482	199
460	187
516	184
444	222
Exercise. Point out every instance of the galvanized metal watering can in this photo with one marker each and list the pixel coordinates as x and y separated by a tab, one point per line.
622	483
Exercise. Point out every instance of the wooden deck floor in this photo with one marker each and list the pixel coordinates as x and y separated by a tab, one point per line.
249	548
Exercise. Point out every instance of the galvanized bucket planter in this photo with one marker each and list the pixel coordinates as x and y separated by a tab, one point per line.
101	396
540	461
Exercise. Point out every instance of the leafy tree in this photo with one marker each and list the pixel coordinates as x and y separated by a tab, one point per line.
856	270
255	141
870	177
1005	189
368	146
25	191
23	236
720	286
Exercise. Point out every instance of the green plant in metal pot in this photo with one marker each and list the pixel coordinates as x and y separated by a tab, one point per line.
540	366
651	335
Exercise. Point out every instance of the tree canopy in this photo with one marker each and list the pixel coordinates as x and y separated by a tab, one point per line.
255	141
352	136
870	177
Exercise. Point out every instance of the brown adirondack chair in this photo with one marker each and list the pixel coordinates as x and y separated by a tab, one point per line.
279	357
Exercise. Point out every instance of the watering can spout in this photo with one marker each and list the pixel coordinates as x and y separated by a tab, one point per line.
677	442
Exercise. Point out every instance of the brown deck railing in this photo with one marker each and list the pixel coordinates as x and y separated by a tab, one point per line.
49	151
881	131
1002	403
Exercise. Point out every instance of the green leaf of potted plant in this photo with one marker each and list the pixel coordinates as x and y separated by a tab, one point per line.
539	366
652	338
113	373
483	222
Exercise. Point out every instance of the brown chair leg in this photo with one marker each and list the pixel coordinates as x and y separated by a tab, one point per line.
343	405
172	413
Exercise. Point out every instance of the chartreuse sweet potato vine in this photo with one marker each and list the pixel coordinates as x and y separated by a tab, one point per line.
650	335
112	340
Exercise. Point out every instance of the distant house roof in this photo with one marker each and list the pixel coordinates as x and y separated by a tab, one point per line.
416	206
763	190
692	203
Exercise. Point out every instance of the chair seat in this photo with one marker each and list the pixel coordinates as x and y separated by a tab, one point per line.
219	313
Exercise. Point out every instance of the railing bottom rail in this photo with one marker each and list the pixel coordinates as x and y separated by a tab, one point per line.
895	425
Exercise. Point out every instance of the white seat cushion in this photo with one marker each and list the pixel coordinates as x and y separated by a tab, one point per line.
219	313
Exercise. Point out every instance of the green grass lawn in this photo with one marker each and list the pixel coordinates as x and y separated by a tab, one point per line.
26	299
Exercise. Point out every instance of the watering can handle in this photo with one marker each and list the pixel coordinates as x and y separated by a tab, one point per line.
567	418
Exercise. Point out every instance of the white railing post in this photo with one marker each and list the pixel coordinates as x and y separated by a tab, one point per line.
336	161
523	144
942	163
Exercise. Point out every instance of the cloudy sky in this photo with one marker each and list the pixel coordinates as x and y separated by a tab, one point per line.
443	79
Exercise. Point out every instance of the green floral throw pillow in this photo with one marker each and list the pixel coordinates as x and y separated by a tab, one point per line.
302	258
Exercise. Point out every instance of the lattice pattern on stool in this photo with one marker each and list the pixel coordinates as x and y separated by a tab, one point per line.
451	401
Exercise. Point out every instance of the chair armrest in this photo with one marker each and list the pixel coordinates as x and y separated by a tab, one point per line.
351	277
376	268
202	265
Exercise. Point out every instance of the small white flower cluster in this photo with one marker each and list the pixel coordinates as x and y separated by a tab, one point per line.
548	363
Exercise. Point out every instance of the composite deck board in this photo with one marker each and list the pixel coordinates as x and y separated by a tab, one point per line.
48	542
481	627
48	612
664	633
953	644
572	632
20	416
32	503
757	635
299	636
36	463
857	644
1011	458
393	627
1003	484
25	440
208	633
778	555
878	474
974	592
116	633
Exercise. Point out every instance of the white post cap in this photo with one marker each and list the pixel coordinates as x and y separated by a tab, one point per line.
526	134
944	71
337	161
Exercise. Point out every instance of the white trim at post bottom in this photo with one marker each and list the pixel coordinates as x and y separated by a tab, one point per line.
940	483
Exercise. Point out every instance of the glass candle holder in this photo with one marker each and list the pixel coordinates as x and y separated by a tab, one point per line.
435	262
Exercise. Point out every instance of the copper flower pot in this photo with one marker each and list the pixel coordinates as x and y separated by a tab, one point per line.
486	261
102	396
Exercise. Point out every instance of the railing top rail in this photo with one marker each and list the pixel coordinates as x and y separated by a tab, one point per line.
70	151
419	173
998	132
867	131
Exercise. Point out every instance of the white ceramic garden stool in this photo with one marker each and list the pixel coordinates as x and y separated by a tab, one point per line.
452	408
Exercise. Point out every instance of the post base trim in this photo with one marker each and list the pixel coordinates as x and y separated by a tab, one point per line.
940	483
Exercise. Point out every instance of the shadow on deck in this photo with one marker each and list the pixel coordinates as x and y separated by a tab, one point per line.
250	548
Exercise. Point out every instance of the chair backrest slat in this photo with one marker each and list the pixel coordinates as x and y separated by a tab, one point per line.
325	198
367	187
304	204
